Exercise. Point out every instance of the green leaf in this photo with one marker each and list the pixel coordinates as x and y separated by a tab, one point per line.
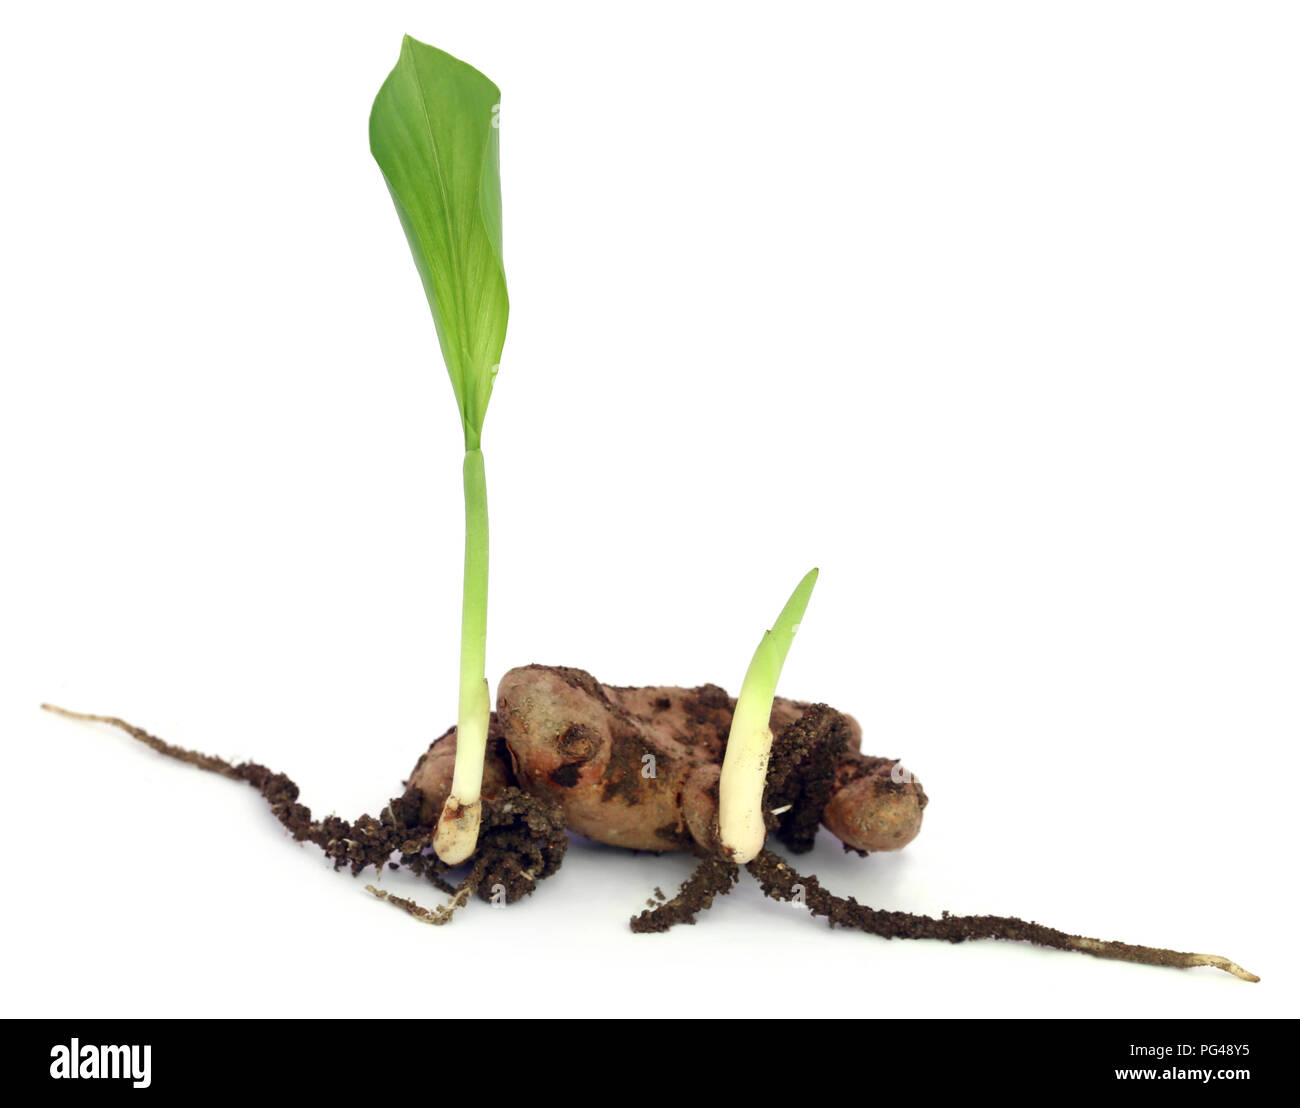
433	131
769	658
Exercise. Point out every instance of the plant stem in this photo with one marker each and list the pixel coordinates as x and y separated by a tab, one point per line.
458	826
749	743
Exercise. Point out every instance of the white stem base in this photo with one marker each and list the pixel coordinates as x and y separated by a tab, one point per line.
740	795
457	833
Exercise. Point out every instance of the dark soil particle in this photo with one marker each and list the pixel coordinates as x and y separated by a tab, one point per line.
802	775
712	877
522	841
522	838
779	880
708	700
622	777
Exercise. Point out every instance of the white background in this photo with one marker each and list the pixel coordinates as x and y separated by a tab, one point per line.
987	310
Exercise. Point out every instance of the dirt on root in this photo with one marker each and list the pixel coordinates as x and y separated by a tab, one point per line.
712	877
781	881
522	839
802	775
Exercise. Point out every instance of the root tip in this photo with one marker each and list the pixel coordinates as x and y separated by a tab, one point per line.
1225	964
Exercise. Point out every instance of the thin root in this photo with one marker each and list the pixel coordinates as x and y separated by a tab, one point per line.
712	877
209	762
779	881
521	843
436	916
365	842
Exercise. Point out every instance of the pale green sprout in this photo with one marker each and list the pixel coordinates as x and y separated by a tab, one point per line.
749	744
433	131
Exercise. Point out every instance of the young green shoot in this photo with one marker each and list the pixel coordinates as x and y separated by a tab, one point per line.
433	131
749	743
